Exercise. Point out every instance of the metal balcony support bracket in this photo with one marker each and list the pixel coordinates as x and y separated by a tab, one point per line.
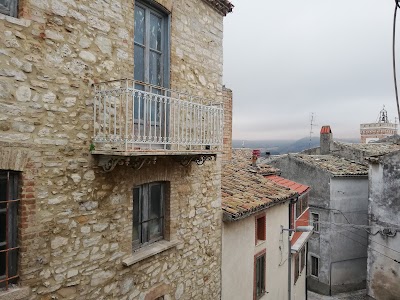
108	163
198	159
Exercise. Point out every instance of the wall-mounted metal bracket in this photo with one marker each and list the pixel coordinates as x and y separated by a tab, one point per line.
198	159
108	163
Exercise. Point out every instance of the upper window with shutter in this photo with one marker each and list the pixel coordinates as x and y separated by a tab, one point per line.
9	7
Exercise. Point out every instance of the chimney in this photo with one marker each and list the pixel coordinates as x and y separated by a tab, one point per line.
325	139
227	146
254	157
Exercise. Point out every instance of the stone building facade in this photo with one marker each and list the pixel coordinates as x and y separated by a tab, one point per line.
75	221
384	242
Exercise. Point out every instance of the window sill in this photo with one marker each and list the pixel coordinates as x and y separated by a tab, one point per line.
15	293
16	21
149	251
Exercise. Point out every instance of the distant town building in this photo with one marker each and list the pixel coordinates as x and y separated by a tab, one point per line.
371	132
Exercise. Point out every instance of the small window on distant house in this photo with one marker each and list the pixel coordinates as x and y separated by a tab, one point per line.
291	216
9	191
302	258
9	7
298	208
260	228
259	276
314	266
315	221
148	213
296	267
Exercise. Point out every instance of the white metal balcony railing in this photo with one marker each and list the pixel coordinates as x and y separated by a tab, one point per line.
131	115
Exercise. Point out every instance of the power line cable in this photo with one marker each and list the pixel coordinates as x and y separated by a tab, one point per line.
372	240
394	55
395	260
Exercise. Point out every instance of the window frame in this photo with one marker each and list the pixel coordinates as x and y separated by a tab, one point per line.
11	10
315	224
260	228
260	257
296	268
10	234
141	210
160	12
302	259
313	266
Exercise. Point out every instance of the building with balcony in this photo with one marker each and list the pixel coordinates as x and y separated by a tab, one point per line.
110	187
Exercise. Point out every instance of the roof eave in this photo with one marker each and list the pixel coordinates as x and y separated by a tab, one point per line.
227	217
221	6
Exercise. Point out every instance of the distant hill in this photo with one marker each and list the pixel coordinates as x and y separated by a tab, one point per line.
283	146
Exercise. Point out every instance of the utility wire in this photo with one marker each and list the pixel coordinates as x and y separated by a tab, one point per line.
394	55
395	260
371	240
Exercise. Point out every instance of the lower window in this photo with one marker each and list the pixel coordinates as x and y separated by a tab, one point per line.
148	214
303	258
8	228
314	266
259	276
296	267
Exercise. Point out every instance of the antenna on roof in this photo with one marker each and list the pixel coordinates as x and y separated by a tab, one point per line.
312	119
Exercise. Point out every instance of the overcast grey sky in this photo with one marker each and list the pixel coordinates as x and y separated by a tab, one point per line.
286	59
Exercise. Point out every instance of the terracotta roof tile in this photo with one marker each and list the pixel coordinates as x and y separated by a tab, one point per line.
298	187
245	191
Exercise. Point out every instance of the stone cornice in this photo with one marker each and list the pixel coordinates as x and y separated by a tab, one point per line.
222	6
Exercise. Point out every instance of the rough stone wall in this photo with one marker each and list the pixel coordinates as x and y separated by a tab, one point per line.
384	209
76	226
227	94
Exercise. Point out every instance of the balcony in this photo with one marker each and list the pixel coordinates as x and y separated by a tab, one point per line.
136	119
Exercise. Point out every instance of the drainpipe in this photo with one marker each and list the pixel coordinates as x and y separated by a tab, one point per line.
306	271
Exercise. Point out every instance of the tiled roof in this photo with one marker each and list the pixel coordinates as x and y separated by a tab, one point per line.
242	158
300	188
245	192
373	149
335	165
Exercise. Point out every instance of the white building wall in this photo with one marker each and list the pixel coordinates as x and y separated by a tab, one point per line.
238	250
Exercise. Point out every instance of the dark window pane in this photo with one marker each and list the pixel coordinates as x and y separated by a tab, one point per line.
155	32
155	201
3	190
139	63
12	263
136	227
2	262
155	229
14	186
155	68
2	227
139	25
